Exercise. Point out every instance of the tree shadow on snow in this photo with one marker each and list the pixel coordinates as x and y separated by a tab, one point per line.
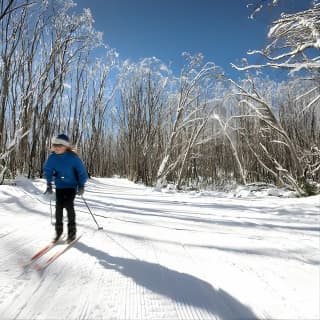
180	287
160	213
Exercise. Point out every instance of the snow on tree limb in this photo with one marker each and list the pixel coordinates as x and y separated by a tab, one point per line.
295	67
306	93
292	35
310	104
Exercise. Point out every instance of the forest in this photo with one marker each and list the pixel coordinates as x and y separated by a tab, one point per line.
139	120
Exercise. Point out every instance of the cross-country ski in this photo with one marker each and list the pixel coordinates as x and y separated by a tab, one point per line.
62	248
160	160
42	251
39	254
161	254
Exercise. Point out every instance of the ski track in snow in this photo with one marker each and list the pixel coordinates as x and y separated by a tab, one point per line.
161	255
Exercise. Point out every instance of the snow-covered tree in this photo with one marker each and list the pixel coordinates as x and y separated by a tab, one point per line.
189	105
294	44
143	93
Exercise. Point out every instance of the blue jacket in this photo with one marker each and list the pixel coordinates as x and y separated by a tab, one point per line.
67	170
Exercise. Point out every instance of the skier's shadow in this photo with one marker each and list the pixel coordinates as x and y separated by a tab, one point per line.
179	287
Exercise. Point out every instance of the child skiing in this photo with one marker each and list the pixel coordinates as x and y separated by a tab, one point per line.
69	175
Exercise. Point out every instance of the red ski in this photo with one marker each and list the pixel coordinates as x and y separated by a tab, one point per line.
56	255
42	251
39	254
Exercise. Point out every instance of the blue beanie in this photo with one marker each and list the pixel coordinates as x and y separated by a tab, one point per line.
61	139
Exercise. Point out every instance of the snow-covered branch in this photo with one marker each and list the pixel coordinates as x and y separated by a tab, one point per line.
297	37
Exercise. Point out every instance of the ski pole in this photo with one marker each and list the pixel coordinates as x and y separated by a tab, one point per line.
99	228
51	212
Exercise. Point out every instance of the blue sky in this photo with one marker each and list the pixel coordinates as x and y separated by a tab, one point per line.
220	30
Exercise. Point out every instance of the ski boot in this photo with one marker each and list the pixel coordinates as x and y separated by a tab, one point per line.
59	230
71	233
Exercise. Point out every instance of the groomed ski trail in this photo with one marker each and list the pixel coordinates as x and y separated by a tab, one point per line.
161	256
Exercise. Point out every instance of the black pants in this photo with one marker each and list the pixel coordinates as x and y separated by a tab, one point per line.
65	199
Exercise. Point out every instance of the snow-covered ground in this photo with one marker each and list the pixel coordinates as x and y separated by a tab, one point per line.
162	255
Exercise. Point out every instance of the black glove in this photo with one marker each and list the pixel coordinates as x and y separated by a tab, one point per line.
80	191
49	189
